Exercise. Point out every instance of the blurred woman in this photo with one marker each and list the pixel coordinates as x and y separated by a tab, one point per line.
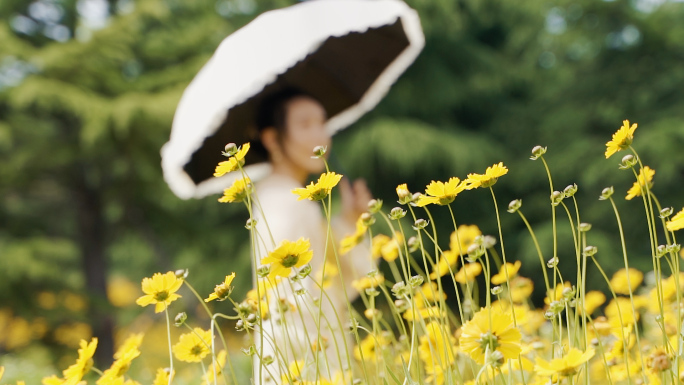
291	123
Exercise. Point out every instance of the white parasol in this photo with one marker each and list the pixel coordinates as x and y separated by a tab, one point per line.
346	53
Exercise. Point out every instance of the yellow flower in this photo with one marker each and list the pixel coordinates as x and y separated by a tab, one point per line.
449	259
216	367
235	162
162	377
295	369
430	293
521	289
564	366
461	239
478	335
509	269
331	272
404	194
645	178
557	293
319	190
677	222
487	179
368	282
288	255
621	285
468	272
132	342
619	312
74	373
350	241
240	189
593	300
390	250
441	193
437	348
371	348
115	374
622	139
222	290
161	290
2	371
193	346
422	312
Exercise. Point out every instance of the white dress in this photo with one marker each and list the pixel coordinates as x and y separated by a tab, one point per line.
287	218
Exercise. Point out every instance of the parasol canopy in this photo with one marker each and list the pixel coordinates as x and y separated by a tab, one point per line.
345	53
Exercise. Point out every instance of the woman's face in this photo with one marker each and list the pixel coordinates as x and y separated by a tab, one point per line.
304	130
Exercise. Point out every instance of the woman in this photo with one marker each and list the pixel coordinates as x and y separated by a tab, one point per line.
291	123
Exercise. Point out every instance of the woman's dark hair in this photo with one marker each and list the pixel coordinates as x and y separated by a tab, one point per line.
272	112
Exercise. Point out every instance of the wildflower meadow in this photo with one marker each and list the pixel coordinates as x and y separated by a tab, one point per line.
405	328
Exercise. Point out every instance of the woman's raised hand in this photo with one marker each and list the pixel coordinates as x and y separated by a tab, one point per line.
355	199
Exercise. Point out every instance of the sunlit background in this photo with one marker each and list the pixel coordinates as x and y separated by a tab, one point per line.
88	89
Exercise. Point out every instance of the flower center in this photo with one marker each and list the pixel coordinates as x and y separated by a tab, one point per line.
161	296
490	340
290	260
196	350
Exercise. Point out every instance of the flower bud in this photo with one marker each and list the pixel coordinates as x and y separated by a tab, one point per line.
413	244
404	194
488	241
239	326
319	151
372	292
537	151
607	193
556	198
251	224
267	360
353	324
416	281
301	292
372	314
304	271
414	198
397	213
475	251
584	227
674	248
570	190
251	318
556	307
496	290
182	273
367	219
549	315
420	224
401	305
590	251
400	290
250	351
514	205
628	161
263	271
230	150
180	319
551	263
661	250
666	212
373	273
374	205
568	293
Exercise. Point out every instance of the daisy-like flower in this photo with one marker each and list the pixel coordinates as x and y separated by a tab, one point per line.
564	366
132	342
622	139
644	179
449	259
368	282
468	272
463	237
288	255
404	194
487	179
160	290
74	373
478	336
592	300
509	269
216	367
319	190
193	346
677	222
222	290
441	193
350	241
240	189
115	373
622	285
162	376
437	348
233	163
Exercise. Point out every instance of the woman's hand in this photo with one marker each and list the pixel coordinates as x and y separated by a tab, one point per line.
355	199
